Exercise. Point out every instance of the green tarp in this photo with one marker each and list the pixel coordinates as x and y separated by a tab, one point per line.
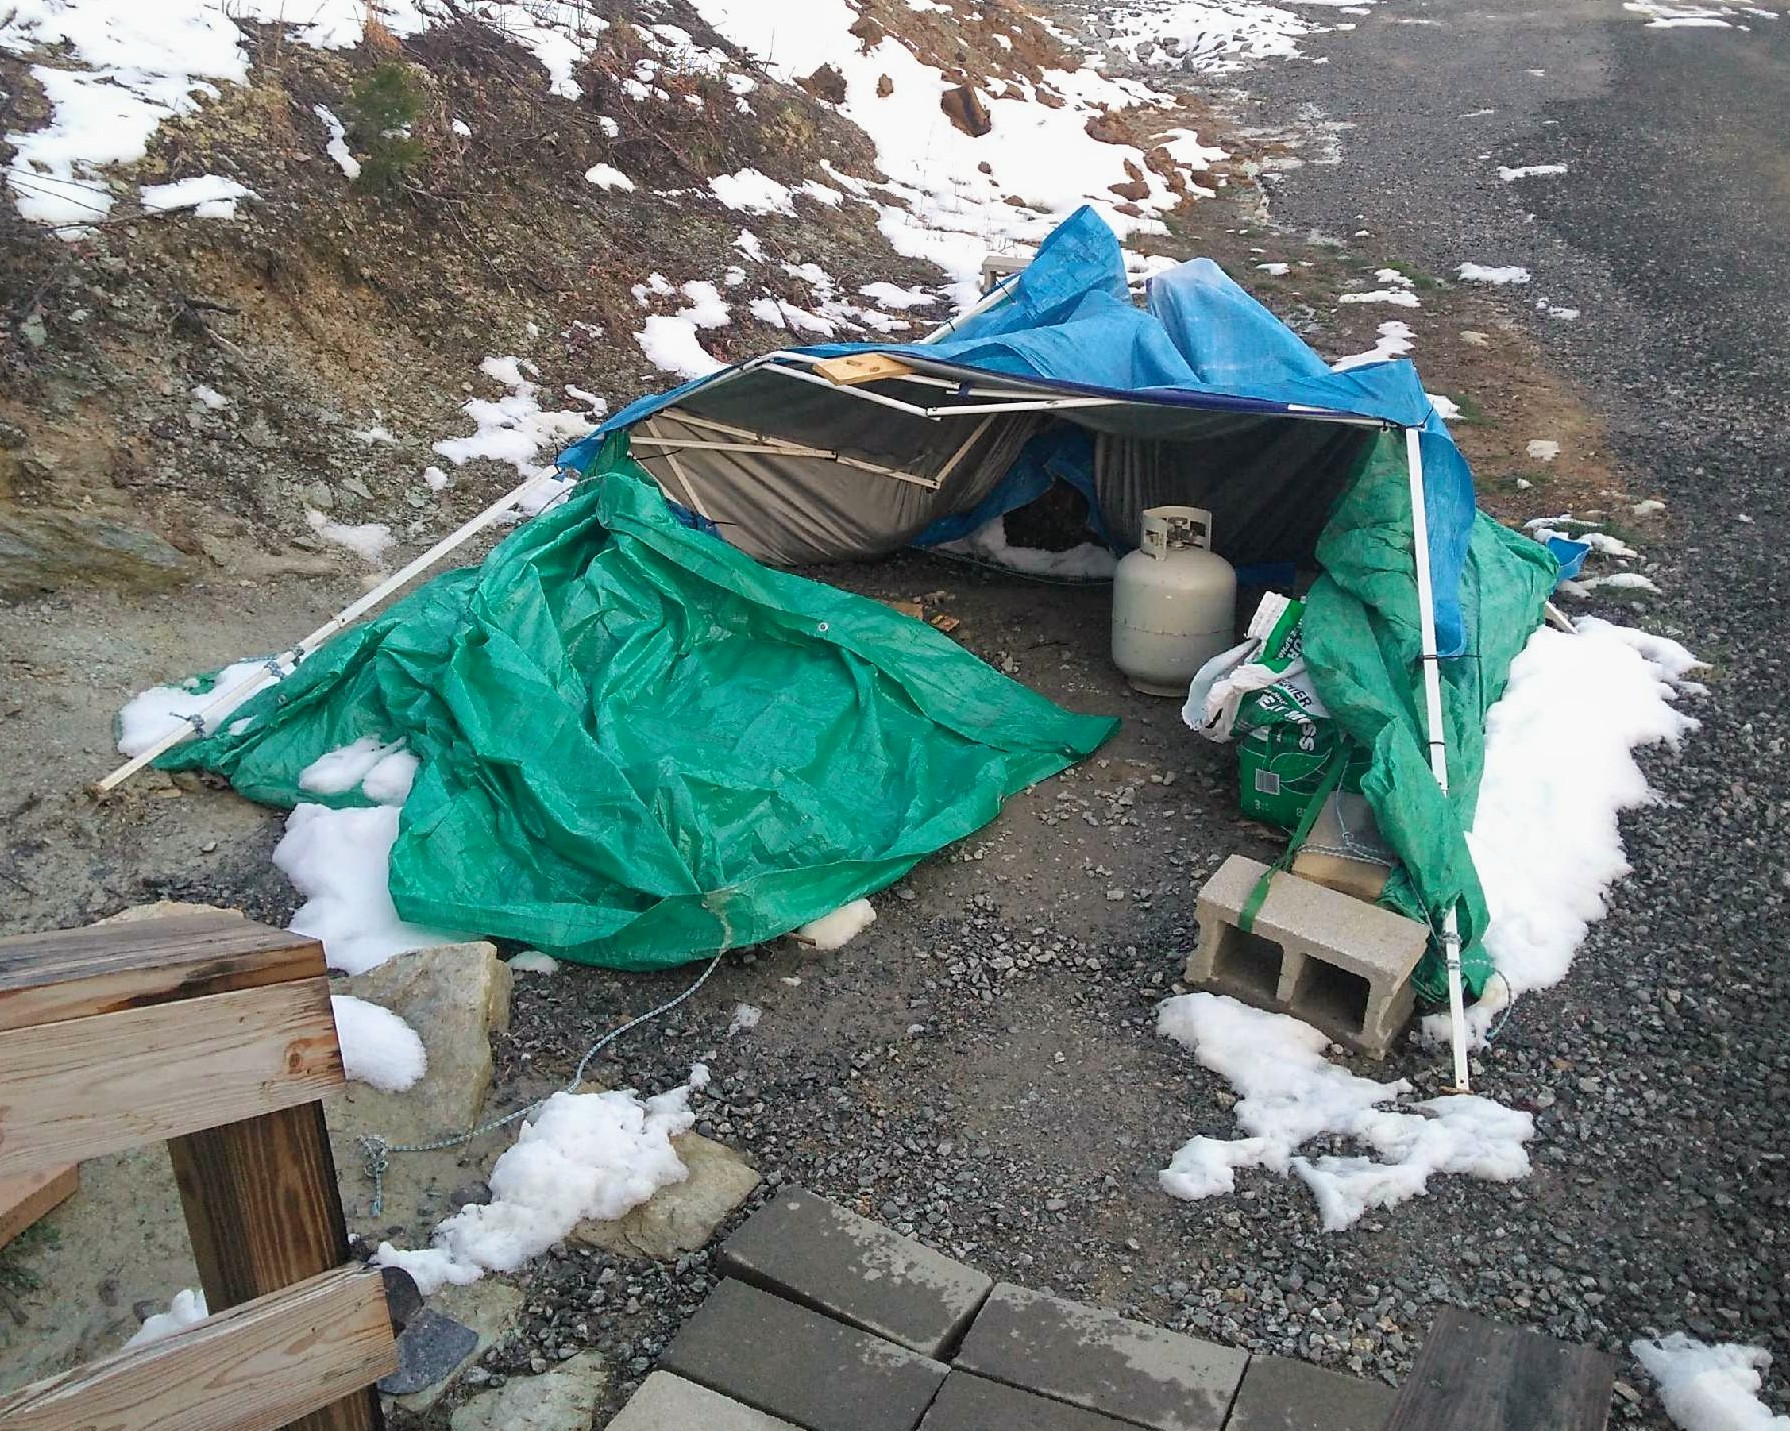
1362	648
638	745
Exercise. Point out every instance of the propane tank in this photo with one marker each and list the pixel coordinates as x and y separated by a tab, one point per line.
1174	602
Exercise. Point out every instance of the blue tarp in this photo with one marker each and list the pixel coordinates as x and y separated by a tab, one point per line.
1202	342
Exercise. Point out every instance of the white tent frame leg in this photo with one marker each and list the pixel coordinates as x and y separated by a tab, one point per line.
1436	733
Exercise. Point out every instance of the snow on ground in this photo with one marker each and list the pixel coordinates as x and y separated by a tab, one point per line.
1481	273
367	540
1709	1387
607	176
1665	16
209	196
187	1307
1288	1094
745	1019
378	1047
1543	449
1215	36
1529	171
1394	342
582	1156
939	204
154	714
836	930
989	543
336	146
209	397
1398	297
533	961
516	429
1548	848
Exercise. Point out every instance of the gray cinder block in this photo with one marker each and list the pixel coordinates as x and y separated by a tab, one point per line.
791	1362
1098	1360
808	1250
1339	963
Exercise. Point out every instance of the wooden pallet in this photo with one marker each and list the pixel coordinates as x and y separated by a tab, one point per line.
215	1034
1474	1375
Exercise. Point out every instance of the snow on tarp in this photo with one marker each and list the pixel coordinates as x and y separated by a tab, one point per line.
633	745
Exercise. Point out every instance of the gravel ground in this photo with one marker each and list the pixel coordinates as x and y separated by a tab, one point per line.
980	1068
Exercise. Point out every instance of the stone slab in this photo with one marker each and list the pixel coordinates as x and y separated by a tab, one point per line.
669	1403
790	1361
491	1309
973	1403
809	1250
1098	1360
1282	1394
564	1399
679	1217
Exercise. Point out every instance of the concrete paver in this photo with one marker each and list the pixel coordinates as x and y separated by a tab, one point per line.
807	1249
1098	1360
792	1362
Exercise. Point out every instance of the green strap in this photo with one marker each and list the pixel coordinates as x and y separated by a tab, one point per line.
1258	896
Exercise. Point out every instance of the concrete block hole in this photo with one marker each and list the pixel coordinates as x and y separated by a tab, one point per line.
1326	993
1248	961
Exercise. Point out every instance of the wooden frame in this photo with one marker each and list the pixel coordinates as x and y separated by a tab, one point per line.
215	1034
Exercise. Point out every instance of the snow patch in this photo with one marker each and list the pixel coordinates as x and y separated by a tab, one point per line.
378	1047
1529	171
1709	1387
209	196
583	1155
1481	273
152	715
367	540
515	429
1088	561
187	1308
1394	342
533	961
607	176
1548	849
836	930
337	145
1289	1094
1543	449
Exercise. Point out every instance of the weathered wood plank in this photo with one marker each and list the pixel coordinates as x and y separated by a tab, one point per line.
252	1368
264	1211
83	1087
27	1197
858	368
77	973
1474	1375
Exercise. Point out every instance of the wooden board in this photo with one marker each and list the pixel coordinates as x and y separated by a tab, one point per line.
76	973
83	1087
253	1368
848	372
1474	1375
27	1197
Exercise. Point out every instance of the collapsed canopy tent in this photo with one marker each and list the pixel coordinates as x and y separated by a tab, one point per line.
1201	397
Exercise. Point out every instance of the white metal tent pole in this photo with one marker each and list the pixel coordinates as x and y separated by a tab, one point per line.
280	666
1436	732
1000	293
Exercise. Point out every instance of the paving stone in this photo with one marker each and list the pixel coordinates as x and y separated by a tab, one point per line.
807	1249
1098	1360
679	1217
1281	1394
791	1361
669	1403
973	1403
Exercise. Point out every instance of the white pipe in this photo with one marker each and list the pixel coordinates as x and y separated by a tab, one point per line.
1436	733
281	666
1000	293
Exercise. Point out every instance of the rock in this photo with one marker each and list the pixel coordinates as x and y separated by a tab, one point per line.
43	548
455	996
564	1399
490	1308
825	83
867	31
680	1217
964	108
884	86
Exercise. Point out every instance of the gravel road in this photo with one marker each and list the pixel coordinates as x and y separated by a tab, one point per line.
980	1068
